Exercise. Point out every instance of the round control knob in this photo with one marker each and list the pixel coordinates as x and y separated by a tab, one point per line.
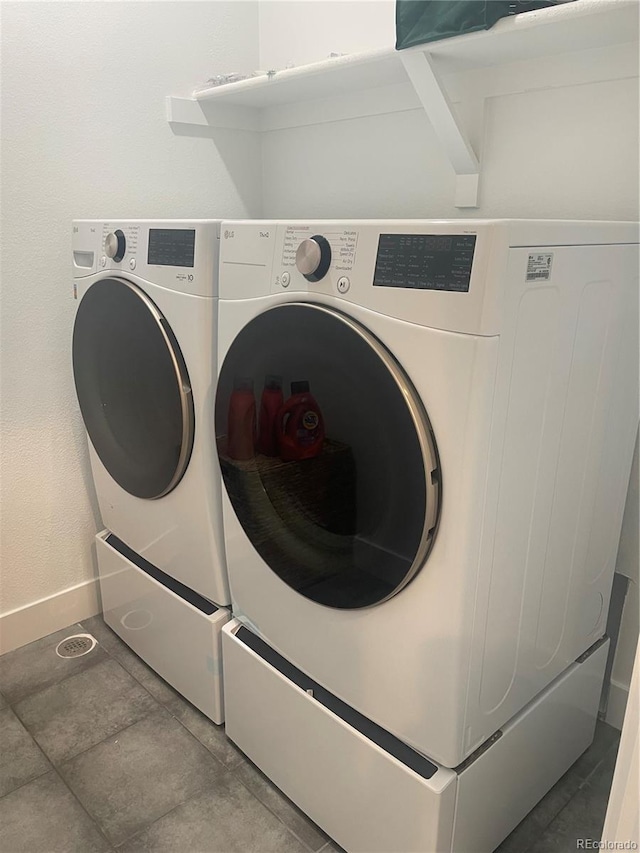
313	257
115	245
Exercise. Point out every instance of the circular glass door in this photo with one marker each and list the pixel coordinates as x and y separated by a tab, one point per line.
343	503
133	388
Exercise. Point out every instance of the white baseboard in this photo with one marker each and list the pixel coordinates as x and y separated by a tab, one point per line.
616	704
36	620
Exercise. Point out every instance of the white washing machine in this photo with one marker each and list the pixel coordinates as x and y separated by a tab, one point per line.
421	607
144	363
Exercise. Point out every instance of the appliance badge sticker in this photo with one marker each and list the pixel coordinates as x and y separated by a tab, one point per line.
539	267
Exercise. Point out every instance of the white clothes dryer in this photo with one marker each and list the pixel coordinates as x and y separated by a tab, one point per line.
430	579
144	364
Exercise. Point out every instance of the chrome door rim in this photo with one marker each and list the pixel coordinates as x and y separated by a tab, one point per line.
182	378
184	389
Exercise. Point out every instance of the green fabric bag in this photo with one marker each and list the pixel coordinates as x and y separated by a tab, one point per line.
422	21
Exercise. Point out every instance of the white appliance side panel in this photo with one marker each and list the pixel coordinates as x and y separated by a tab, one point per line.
602	520
523	473
180	642
578	232
596	375
364	798
563	431
503	784
180	533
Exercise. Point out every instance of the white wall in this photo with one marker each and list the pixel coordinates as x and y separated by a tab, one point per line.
548	152
621	824
296	32
563	152
84	135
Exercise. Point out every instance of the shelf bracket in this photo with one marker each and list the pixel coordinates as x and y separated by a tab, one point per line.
189	113
420	69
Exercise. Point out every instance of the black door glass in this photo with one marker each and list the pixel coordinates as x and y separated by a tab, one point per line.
132	386
343	528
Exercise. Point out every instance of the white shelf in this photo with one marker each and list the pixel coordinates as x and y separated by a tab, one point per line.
309	82
386	81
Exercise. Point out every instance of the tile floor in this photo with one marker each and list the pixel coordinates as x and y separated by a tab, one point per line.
98	753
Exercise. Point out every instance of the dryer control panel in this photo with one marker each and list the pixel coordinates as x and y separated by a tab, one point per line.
448	274
432	273
425	261
336	246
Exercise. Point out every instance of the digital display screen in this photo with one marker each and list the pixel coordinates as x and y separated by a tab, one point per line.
425	261
172	247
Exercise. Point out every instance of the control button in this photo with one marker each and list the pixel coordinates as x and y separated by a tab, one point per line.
132	263
343	284
103	261
115	245
313	257
285	278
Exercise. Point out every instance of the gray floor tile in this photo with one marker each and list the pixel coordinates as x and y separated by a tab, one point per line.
604	739
530	830
107	638
44	817
32	668
119	650
140	774
146	676
281	806
583	817
153	787
83	710
21	760
534	824
208	733
224	819
602	778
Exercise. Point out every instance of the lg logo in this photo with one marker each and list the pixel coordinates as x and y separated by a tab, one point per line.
264	234
228	234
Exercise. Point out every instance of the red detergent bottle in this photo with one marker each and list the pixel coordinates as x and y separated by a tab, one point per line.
301	426
271	402
241	423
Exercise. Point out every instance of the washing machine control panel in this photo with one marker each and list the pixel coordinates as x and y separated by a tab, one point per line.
313	257
171	247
